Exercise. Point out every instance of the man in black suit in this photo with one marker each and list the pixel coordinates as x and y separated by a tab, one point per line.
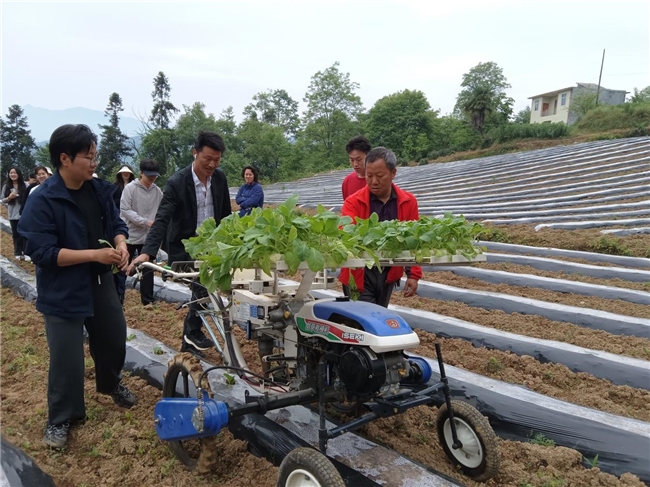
191	196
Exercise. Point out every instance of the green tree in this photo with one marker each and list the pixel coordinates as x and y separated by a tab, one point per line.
478	106
226	126
403	122
42	155
113	147
276	108
16	142
641	96
582	103
485	80
188	126
523	116
162	145
265	148
331	116
163	110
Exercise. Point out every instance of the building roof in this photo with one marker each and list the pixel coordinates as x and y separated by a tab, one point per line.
589	86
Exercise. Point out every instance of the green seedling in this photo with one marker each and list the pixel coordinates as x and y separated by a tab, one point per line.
130	337
157	350
540	439
114	269
230	379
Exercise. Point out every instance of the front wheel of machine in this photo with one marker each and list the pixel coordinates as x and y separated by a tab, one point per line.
305	467
183	373
479	456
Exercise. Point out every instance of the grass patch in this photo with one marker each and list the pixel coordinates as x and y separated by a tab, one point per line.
541	439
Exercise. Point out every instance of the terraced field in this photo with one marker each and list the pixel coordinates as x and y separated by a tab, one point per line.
550	338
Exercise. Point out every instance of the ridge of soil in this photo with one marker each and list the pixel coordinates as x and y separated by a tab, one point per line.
128	452
611	305
587	240
119	447
525	269
532	325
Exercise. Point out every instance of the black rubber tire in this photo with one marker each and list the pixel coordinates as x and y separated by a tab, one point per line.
314	463
196	454
480	426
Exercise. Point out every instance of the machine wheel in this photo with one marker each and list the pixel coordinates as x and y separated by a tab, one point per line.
479	456
183	373
305	467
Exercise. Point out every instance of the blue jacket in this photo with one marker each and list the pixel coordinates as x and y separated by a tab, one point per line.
250	196
52	221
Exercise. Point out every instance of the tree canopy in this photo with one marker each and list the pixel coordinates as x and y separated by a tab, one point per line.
163	110
484	93
16	142
113	146
331	116
403	122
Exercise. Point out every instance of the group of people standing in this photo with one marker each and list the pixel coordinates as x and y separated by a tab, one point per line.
14	196
66	220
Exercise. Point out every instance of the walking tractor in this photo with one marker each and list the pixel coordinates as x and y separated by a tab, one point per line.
329	353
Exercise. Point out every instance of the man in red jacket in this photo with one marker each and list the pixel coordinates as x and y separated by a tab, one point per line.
357	149
390	202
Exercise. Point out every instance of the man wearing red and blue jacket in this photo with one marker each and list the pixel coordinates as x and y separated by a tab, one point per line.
64	223
389	202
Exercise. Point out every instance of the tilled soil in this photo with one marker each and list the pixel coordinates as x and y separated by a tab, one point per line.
115	446
587	240
119	447
611	305
94	459
532	326
525	269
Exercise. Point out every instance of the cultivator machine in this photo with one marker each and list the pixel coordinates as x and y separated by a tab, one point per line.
330	353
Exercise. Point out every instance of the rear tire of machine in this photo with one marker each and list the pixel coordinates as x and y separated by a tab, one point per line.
188	367
306	467
482	462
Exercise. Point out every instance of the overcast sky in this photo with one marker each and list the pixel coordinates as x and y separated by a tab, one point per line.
62	55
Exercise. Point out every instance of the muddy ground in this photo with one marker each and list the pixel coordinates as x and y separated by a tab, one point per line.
119	447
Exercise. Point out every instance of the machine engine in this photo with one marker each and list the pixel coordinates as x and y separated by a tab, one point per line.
364	373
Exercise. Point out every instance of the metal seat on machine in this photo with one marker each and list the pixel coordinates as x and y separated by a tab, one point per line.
372	318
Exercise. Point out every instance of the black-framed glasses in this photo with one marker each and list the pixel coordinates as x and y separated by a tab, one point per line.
92	160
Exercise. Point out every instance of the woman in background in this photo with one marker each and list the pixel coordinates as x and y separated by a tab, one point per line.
13	195
251	194
41	174
123	177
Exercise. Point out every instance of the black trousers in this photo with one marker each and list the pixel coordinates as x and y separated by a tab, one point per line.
375	289
193	323
107	343
19	241
146	283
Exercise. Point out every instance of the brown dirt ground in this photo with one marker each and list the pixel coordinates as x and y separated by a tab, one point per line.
611	305
114	446
588	240
118	447
524	269
139	458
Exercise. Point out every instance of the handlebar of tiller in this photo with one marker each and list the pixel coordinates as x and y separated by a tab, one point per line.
166	273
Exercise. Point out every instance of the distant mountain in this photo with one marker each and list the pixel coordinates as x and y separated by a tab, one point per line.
42	121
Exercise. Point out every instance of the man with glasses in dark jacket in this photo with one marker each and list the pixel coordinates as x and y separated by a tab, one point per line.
64	224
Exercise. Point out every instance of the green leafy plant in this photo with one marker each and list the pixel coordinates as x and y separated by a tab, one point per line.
493	365
323	240
157	350
230	379
114	268
540	439
130	337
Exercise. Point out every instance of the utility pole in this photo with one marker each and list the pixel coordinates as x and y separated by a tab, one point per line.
600	77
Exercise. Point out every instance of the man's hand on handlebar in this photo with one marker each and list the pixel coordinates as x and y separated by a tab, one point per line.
137	261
